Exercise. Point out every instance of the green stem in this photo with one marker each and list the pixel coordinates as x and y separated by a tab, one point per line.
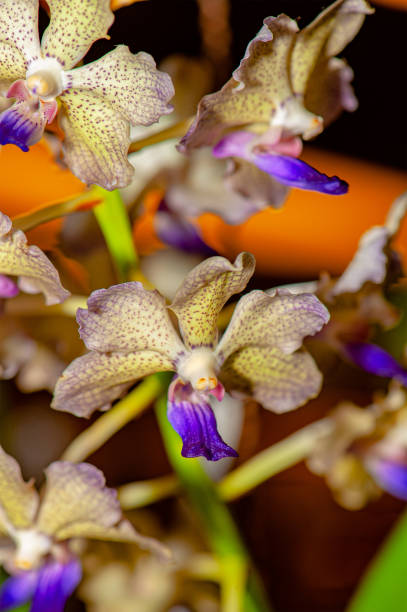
242	480
174	131
276	458
145	492
30	220
111	422
238	593
114	223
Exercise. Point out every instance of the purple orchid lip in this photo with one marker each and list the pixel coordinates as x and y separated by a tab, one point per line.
8	288
375	360
19	126
196	424
49	587
390	475
296	173
286	169
178	232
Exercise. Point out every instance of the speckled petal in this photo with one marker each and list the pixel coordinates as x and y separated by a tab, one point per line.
369	264
36	273
131	84
18	37
203	294
258	86
96	141
76	493
128	318
74	26
329	90
281	320
95	380
18	499
278	381
325	37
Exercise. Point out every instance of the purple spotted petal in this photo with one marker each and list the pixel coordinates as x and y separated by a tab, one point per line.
17	590
196	424
375	360
390	475
20	126
7	287
179	233
56	582
296	173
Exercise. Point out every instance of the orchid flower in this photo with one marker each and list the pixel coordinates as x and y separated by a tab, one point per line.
75	504
34	270
130	334
97	102
288	86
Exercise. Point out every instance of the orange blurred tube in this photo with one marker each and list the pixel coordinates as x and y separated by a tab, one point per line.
313	231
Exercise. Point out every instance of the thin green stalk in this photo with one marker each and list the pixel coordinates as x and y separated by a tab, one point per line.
274	459
114	223
30	220
145	492
174	131
240	589
111	422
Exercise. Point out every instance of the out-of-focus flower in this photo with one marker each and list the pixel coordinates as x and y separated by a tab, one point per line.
98	101
75	504
34	270
130	334
366	450
288	86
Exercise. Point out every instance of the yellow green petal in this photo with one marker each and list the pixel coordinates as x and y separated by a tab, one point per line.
325	37
281	320
18	499
128	318
130	83
96	141
278	381
203	294
74	26
93	381
36	273
19	42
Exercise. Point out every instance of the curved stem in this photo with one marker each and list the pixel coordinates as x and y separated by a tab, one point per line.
174	131
276	458
112	421
28	221
240	587
145	492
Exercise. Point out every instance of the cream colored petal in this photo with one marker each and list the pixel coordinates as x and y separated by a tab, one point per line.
130	83
278	381
76	493
369	264
12	66
18	499
36	273
96	140
95	380
257	88
203	294
123	532
74	26
128	318
18	36
281	320
325	37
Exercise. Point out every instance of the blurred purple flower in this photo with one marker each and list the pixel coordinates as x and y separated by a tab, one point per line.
375	360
